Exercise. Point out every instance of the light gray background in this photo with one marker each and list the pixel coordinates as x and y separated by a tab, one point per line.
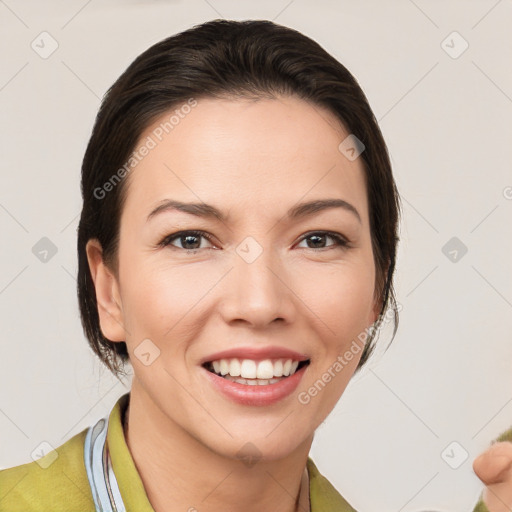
447	122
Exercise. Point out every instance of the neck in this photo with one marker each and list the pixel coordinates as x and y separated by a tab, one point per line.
180	473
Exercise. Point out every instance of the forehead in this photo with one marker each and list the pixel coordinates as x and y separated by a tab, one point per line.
262	152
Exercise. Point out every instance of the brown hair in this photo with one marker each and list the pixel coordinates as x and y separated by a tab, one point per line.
225	59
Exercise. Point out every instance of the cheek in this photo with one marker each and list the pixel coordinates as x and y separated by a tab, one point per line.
158	300
342	299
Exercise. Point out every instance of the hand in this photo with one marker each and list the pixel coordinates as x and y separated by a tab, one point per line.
494	468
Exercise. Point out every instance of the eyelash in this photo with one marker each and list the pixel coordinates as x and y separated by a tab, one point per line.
166	242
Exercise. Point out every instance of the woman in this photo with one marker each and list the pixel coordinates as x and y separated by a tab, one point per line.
237	246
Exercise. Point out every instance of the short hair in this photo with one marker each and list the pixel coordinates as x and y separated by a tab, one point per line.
225	59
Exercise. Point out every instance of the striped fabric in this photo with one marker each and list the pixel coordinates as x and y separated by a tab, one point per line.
102	480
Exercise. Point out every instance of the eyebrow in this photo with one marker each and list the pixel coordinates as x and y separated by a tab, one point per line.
208	211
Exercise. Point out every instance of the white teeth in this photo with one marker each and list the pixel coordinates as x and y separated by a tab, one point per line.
252	382
265	370
224	367
278	368
248	369
234	368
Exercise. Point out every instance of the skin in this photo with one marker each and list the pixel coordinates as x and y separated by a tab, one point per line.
253	160
494	468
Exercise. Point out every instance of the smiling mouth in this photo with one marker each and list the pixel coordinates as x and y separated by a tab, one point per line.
254	373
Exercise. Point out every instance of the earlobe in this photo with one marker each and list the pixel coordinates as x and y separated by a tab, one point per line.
110	310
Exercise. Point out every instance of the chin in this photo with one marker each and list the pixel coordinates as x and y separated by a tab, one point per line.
251	449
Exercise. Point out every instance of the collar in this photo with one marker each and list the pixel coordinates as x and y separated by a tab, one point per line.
112	473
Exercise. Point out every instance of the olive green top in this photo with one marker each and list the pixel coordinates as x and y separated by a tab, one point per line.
58	481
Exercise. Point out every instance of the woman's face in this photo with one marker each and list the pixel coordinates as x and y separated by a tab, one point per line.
265	279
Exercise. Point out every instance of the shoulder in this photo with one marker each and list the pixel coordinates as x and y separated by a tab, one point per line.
58	482
505	436
322	494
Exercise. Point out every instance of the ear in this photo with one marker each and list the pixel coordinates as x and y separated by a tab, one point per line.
110	310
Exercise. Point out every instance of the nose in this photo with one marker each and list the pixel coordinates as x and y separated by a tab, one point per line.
257	292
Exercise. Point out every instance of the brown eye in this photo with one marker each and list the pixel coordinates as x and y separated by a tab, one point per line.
317	239
189	240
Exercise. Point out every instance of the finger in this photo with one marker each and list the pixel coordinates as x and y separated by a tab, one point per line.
492	464
498	497
492	469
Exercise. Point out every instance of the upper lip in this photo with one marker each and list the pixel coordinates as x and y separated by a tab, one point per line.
256	353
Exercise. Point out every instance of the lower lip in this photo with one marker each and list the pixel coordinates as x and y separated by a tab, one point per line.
246	394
